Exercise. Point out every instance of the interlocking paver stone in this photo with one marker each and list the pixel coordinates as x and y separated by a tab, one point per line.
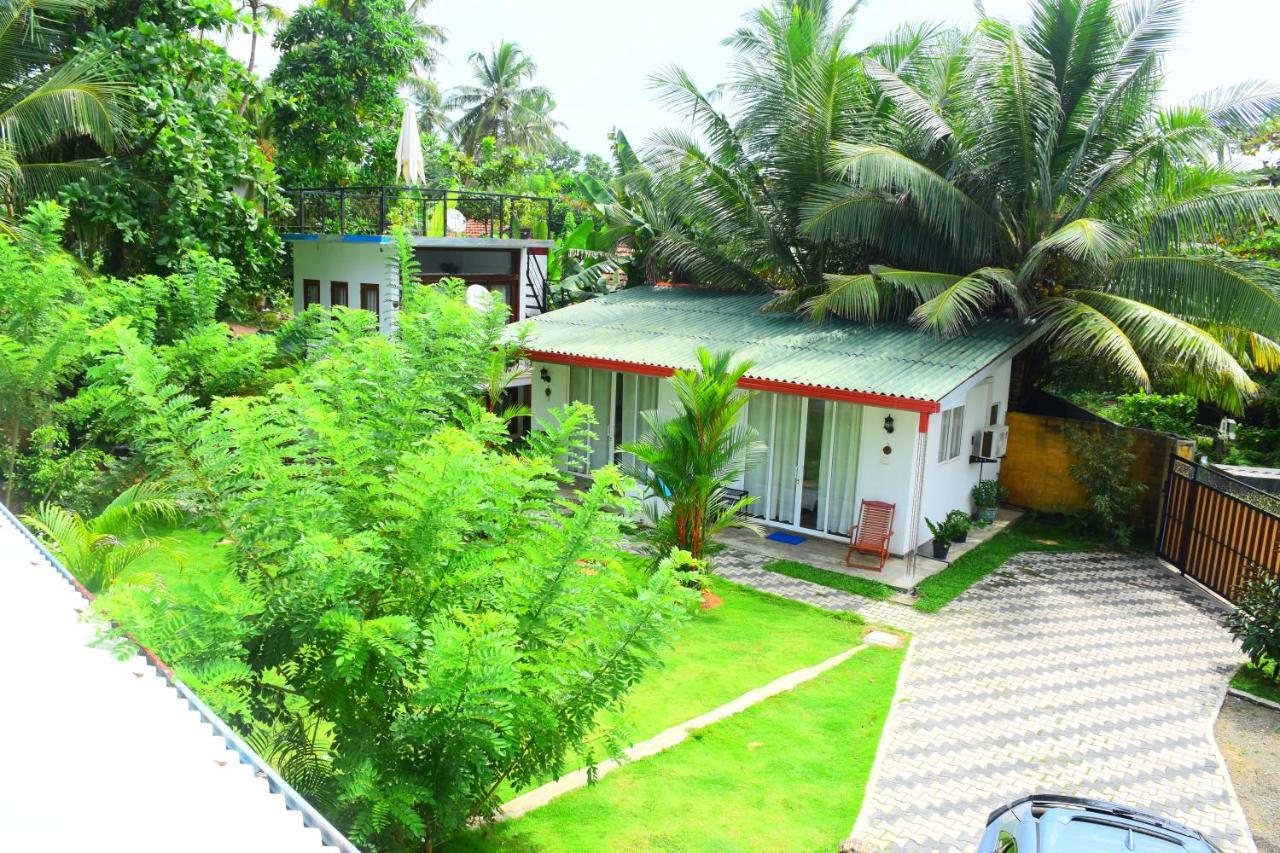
1096	675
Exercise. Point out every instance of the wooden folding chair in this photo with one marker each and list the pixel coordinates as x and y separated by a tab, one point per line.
872	533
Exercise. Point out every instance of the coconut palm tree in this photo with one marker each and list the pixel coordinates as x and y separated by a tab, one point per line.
100	549
503	103
743	179
47	104
1032	171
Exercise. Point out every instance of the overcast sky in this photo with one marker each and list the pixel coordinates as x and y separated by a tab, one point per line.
596	55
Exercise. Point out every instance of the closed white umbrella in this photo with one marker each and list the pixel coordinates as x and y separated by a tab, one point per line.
409	163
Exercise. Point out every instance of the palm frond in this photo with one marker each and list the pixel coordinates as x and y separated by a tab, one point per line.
1203	219
1204	289
1198	360
963	302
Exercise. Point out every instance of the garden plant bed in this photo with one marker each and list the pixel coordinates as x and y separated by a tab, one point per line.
788	773
1031	533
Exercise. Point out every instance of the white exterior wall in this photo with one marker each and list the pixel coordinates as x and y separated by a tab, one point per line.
947	484
354	263
558	386
880	476
888	476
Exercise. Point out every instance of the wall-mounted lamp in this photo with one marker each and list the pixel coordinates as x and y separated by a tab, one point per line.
545	375
888	424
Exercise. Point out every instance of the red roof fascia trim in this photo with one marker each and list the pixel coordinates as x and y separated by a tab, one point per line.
924	422
603	363
775	385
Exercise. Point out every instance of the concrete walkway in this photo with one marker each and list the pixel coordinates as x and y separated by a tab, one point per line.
1090	675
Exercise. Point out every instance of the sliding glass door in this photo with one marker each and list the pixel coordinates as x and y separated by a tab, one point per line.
809	477
620	401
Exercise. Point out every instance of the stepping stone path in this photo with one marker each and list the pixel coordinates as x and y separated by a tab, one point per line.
1094	675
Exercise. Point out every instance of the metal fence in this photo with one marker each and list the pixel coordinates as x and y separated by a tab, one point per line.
1214	528
424	212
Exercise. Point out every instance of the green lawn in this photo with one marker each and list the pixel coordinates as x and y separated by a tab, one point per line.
189	548
836	580
787	774
772	636
1032	533
1250	679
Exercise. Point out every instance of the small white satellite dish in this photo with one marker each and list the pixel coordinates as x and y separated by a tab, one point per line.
479	297
454	221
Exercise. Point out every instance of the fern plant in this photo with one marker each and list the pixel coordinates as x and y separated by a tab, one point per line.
100	549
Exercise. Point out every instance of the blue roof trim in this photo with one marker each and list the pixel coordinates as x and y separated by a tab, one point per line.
365	238
296	237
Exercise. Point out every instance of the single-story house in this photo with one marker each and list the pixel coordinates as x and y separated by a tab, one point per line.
847	411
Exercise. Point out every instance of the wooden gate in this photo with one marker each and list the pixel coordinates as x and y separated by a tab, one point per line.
1214	527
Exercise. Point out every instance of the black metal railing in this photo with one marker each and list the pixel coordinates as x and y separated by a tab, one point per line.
424	212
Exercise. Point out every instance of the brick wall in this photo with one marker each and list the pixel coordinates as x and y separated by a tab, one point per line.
1036	468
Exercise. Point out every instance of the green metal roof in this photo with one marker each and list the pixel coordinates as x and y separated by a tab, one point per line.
664	327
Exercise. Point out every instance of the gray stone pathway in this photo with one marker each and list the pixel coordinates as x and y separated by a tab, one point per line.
744	567
1096	675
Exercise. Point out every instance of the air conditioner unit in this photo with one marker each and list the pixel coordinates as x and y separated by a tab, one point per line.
991	443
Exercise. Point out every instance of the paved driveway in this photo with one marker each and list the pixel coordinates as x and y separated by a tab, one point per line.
1092	675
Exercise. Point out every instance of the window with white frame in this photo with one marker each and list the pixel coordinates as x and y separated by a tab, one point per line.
951	434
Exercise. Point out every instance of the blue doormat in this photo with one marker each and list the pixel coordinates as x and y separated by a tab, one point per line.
789	538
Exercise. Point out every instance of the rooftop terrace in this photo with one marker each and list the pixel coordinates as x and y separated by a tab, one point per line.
425	212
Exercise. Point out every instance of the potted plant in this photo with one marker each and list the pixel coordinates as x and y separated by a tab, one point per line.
960	525
941	531
987	495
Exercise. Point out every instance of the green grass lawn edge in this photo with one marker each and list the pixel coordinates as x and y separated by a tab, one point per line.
1249	679
834	580
788	773
1028	534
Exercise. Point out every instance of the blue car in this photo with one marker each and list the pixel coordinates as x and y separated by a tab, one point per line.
1048	823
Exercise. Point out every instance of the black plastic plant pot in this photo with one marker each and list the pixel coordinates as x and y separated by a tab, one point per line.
960	537
940	549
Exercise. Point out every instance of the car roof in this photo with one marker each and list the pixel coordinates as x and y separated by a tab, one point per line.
1066	830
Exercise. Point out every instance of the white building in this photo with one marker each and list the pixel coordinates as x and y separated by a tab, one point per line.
342	255
848	411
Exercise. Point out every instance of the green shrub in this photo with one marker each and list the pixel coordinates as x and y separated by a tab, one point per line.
398	570
960	523
1174	413
987	494
1256	620
1101	466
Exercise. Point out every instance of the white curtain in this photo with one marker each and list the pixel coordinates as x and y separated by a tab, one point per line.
639	395
587	385
756	482
840	467
785	457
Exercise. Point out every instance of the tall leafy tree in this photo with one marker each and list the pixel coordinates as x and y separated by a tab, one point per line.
404	585
503	102
192	177
1033	171
341	65
52	104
